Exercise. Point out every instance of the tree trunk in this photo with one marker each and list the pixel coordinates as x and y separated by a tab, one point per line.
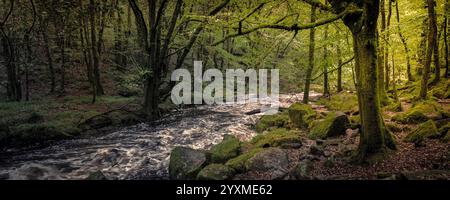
374	137
95	51
309	71
326	89
84	37
51	68
446	29
432	34
387	46
63	58
339	75
433	25
13	86
381	56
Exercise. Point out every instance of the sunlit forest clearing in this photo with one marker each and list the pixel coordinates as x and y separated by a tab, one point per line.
85	89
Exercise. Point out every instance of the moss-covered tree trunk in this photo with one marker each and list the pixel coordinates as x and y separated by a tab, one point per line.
373	137
312	36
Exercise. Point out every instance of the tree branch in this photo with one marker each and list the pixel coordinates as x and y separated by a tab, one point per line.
294	27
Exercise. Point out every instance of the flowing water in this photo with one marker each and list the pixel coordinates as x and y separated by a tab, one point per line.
137	152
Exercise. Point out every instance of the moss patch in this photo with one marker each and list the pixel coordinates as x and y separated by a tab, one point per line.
216	172
227	149
301	115
425	130
420	112
276	138
268	122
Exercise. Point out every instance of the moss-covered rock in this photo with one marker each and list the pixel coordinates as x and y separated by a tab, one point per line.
185	163
441	90
227	149
421	112
394	127
334	124
425	130
276	138
216	172
238	163
268	122
410	117
301	115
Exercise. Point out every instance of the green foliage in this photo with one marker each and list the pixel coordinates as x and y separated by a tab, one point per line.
276	138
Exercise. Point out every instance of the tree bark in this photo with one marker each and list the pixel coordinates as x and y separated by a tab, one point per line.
312	35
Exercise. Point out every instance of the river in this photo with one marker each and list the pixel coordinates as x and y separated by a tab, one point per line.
136	152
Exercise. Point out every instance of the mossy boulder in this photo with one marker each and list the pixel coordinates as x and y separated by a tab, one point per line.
227	149
268	122
273	161
238	163
185	163
421	112
334	124
301	115
442	90
425	130
216	172
276	138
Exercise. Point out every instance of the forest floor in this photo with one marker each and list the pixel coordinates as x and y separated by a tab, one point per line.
332	158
